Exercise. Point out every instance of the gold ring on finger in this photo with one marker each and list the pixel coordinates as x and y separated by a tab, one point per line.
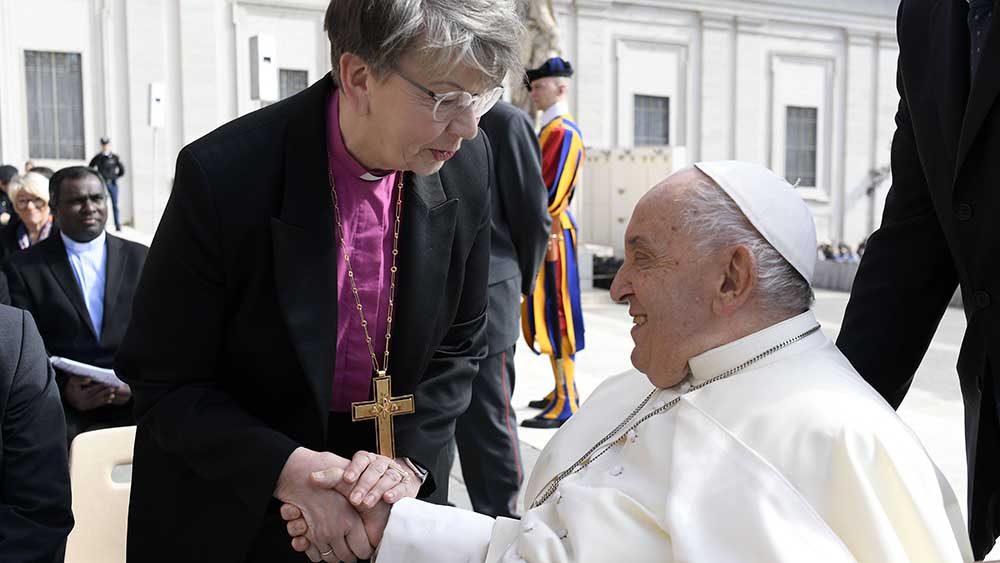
403	477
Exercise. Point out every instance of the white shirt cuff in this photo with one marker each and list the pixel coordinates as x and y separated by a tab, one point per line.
420	532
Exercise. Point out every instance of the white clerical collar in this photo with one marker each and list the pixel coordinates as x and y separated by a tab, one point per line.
554	111
369	177
83	247
719	360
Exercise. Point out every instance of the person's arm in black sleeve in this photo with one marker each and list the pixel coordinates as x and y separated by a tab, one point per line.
446	389
178	401
905	280
119	167
35	508
16	289
523	196
4	290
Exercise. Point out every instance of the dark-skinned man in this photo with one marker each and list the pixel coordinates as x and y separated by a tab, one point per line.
79	287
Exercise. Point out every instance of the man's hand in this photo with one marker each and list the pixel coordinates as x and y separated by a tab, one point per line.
85	395
331	522
121	395
4	218
375	520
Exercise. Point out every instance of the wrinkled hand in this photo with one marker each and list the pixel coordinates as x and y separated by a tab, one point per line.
374	518
374	478
84	395
330	521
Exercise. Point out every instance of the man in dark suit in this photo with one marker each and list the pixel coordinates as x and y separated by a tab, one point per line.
35	509
79	286
939	230
487	433
247	350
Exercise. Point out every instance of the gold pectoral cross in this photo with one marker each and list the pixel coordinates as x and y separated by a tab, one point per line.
383	409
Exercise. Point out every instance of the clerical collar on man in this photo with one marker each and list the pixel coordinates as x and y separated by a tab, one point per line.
728	356
89	262
77	247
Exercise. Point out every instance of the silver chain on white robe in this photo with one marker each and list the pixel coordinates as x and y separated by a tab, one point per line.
590	456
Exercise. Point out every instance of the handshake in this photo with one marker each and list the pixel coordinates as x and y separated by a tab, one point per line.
337	509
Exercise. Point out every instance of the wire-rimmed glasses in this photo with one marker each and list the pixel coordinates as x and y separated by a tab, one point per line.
448	105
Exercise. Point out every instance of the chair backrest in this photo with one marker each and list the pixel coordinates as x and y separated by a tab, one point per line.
100	505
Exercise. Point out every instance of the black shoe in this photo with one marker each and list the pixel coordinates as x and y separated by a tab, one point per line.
539	404
539	422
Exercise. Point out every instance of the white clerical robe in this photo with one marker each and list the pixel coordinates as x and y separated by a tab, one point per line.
793	459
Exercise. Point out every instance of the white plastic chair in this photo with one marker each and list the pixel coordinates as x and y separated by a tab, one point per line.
100	505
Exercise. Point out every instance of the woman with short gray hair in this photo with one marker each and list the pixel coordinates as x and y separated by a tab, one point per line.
311	251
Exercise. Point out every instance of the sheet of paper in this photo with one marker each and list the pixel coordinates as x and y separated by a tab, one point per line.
101	375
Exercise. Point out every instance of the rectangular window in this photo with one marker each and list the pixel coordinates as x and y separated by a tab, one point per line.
55	105
800	146
652	120
292	81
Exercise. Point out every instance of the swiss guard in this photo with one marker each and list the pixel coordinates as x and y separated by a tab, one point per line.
551	317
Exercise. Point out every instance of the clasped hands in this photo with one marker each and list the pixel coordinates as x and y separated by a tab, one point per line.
336	509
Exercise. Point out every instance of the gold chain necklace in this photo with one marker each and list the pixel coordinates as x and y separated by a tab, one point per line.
593	453
392	275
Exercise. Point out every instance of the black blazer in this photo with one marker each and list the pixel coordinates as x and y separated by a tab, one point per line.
520	222
939	229
8	241
231	349
42	281
35	508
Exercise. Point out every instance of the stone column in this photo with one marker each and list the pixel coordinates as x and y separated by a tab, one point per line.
540	42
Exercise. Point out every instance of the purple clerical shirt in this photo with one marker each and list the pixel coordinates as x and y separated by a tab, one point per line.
368	213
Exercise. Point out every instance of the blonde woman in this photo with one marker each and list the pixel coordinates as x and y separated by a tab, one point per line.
30	196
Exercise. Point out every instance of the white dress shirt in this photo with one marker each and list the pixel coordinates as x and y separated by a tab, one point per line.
89	261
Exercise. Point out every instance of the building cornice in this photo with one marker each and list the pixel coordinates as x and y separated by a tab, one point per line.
300	5
761	10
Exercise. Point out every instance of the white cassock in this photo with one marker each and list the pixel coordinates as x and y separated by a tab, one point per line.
794	459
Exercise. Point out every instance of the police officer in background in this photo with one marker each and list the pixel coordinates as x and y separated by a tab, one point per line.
111	168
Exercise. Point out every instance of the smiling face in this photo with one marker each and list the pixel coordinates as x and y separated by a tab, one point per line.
393	125
670	286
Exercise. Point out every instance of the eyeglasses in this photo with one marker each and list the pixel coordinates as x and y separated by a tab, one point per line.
24	203
450	104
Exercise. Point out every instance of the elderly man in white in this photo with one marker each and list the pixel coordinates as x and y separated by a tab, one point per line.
744	436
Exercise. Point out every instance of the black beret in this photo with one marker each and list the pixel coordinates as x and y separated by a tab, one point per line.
552	67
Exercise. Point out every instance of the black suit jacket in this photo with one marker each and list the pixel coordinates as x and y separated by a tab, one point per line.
520	222
8	241
231	349
939	229
41	281
35	508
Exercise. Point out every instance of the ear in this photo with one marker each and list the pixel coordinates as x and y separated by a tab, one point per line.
738	280
354	82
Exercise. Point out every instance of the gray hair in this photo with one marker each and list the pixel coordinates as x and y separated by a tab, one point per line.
716	221
33	184
483	34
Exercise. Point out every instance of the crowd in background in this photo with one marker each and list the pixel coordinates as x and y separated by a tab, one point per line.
841	252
